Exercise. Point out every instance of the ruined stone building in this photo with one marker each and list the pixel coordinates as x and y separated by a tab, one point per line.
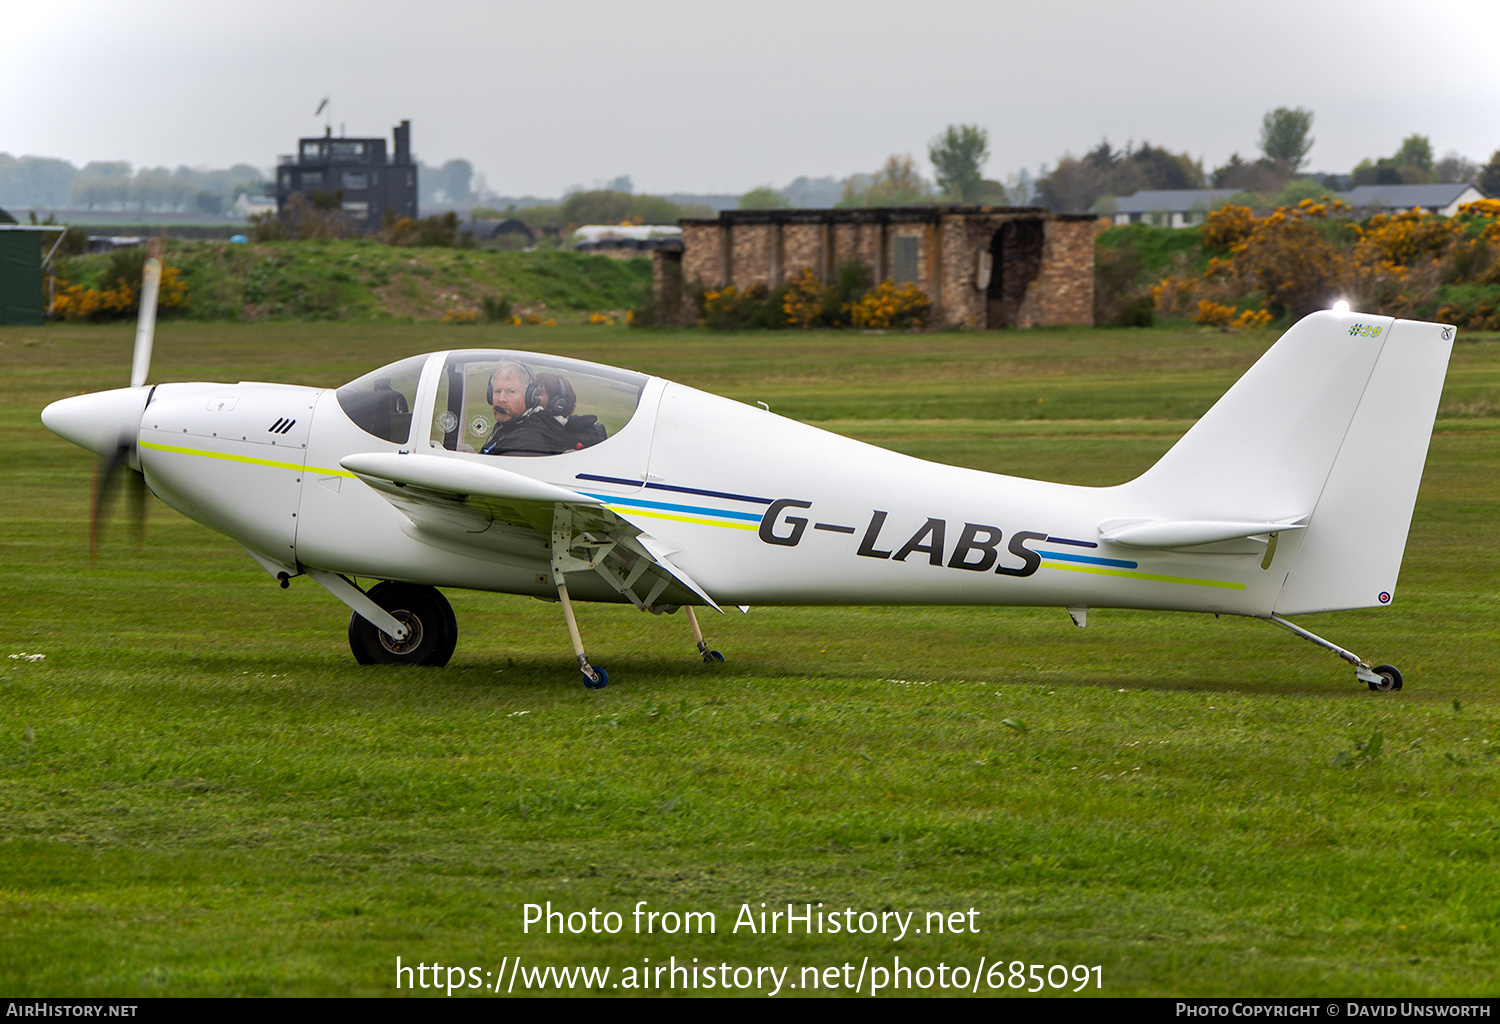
983	267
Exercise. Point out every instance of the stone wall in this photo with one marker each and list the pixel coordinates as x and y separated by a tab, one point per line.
804	246
701	252
753	255
1065	287
983	267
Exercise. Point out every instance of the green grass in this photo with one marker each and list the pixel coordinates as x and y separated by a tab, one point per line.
1161	251
214	799
364	280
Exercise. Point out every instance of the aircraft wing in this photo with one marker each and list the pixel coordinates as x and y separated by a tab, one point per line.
482	505
461	498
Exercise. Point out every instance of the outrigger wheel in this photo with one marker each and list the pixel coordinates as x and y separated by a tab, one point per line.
1390	678
423	610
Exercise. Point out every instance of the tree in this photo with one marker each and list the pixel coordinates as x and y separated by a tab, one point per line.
1488	180
454	179
209	202
958	156
1165	170
764	197
1262	177
1454	169
1071	187
1409	165
895	184
605	207
1283	136
35	180
1415	151
1077	184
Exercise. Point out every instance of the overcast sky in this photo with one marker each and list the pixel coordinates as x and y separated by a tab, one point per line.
699	96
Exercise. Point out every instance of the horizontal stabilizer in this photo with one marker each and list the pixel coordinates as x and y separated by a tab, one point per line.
1189	533
458	477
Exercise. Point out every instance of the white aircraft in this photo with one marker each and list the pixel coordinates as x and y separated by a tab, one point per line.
562	479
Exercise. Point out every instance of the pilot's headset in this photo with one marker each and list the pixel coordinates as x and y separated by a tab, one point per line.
562	400
533	398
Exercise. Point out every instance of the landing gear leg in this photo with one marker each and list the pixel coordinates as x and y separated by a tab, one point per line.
711	657
594	677
1379	677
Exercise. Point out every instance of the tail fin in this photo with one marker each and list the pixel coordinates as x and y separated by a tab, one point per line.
1351	551
1332	424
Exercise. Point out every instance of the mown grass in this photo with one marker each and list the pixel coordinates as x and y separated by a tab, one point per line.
363	280
213	799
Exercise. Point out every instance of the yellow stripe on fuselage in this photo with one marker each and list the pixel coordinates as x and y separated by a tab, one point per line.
1100	571
623	511
227	457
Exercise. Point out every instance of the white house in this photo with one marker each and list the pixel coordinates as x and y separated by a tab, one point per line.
1443	199
1168	208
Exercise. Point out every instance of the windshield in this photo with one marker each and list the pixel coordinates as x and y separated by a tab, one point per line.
381	402
520	403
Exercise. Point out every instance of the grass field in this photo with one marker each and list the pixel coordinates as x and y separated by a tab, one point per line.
202	794
363	280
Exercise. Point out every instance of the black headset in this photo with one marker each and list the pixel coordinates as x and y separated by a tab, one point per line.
562	400
533	398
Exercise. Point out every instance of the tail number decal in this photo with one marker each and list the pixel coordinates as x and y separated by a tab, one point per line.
977	549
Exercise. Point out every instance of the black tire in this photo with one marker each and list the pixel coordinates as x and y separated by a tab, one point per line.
424	610
1390	676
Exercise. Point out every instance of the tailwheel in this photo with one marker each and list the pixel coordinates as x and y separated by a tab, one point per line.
1381	678
424	611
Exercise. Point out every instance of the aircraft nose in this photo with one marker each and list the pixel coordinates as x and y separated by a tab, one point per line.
100	422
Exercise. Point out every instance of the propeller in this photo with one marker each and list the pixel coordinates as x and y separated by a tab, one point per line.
123	464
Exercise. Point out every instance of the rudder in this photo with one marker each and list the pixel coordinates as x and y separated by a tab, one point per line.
1350	553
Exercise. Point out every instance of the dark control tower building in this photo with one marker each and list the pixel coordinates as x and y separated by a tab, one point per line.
367	181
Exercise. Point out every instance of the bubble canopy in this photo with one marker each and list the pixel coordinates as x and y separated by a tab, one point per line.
499	402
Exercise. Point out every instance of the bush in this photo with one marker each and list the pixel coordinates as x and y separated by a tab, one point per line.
886	306
732	309
804	302
304	218
851	280
495	311
118	294
1300	258
437	231
1118	297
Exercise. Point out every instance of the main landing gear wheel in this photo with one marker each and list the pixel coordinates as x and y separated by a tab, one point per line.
424	611
713	658
1390	678
598	681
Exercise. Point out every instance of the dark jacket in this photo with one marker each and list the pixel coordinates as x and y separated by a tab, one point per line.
537	433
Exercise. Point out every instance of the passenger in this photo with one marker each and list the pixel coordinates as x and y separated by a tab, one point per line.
522	427
561	402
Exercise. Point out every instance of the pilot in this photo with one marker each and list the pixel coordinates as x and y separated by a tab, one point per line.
522	426
560	402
